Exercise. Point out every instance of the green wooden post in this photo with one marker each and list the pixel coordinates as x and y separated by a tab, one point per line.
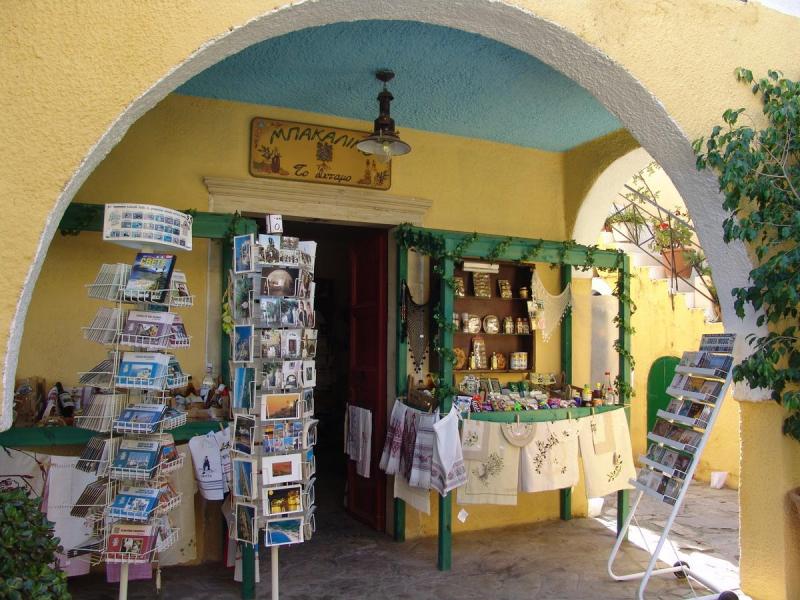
447	267
248	572
400	376
623	496
565	495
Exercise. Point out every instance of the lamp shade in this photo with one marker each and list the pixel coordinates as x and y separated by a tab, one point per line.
384	141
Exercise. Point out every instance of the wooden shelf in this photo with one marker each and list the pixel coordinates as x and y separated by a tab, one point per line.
525	371
494	334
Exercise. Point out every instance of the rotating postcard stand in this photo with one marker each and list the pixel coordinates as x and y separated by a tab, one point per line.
132	525
676	444
274	374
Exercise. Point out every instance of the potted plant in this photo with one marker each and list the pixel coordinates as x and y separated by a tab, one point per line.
28	550
671	237
628	225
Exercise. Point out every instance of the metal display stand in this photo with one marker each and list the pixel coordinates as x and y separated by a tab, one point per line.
119	392
701	381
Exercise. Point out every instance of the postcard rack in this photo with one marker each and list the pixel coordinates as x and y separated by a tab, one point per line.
133	454
273	350
676	444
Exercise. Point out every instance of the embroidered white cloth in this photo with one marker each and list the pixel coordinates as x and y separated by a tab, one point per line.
550	460
447	471
474	443
207	466
423	451
414	497
390	459
223	439
409	440
606	452
494	479
185	549
27	470
358	443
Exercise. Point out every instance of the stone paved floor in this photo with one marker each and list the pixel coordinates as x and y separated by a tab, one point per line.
555	560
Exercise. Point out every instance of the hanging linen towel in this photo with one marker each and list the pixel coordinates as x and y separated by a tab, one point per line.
447	471
223	439
423	451
185	549
550	460
207	466
474	441
606	452
494	479
358	443
390	459
414	497
22	469
408	442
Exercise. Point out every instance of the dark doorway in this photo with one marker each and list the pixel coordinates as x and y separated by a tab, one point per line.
351	276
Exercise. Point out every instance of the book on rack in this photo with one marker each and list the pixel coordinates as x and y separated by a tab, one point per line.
178	336
95	454
155	325
707	360
144	418
99	415
179	290
167	494
150	277
135	503
174	372
140	455
92	496
169	452
109	281
143	369
105	326
100	375
128	538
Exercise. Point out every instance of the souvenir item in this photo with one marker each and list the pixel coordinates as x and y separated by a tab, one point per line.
508	325
491	324
447	471
481	285
523	292
550	460
458	287
479	352
519	361
474	442
473	324
501	362
460	358
606	451
493	480
518	434
505	288
390	458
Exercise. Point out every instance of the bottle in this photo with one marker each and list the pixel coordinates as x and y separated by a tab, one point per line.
207	384
609	397
597	394
586	395
494	361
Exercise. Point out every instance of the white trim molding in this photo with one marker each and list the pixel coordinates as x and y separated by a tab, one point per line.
314	201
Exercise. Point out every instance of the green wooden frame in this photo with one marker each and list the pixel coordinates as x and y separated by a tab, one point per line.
501	248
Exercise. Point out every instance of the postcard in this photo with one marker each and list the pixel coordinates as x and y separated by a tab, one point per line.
242	343
245	483
282	468
283	500
246	530
284	531
243	434
280	406
243	253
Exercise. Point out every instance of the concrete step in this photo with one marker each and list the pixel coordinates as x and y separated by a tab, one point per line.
642	259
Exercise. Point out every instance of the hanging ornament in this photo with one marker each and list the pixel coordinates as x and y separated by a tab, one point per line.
414	316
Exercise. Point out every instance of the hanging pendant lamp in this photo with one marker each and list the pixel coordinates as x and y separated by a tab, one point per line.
384	143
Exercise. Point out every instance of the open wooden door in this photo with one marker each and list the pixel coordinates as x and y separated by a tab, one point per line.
366	498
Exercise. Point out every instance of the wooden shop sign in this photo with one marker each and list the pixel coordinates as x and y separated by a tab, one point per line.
315	153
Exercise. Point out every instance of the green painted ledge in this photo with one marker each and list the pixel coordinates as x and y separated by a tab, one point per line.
539	416
27	437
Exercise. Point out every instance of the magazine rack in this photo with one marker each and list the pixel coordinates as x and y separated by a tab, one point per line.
270	333
119	394
674	454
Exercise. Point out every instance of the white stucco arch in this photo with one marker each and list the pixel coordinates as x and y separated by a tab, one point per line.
594	208
621	93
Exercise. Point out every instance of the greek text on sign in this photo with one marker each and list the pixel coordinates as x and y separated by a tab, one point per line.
315	153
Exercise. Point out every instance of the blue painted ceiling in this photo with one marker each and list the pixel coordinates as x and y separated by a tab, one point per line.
447	81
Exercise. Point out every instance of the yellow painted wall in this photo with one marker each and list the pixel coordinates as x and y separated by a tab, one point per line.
53	346
63	88
662	331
